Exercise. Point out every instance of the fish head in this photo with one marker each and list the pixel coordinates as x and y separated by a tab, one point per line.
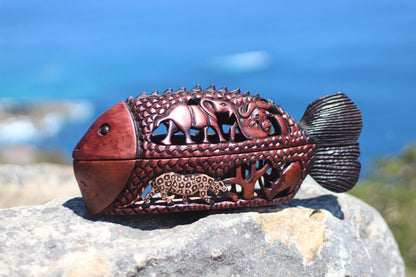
105	156
111	137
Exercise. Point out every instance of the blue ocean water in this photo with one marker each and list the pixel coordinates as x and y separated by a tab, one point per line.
289	51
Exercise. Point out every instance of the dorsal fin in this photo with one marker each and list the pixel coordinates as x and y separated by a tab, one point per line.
143	94
155	93
247	93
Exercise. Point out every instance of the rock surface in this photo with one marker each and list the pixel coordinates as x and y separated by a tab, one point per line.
317	234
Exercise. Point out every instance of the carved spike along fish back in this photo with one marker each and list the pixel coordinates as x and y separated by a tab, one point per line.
210	88
169	90
236	91
223	89
197	88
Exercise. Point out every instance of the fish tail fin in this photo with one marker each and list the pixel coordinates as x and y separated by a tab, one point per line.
334	124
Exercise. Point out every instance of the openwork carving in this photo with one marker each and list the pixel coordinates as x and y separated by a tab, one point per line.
250	120
224	137
185	185
198	114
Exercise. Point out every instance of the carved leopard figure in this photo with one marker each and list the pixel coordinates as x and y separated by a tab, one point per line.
184	185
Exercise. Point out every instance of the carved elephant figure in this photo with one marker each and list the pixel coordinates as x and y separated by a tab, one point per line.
185	117
184	185
254	120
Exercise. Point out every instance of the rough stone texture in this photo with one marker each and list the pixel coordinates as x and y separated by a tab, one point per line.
317	234
35	184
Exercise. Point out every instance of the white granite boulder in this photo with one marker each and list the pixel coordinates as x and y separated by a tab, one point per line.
317	234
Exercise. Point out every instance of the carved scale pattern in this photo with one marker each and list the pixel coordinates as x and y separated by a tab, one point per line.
219	159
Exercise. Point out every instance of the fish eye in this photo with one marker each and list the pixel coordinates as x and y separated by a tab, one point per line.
223	104
104	129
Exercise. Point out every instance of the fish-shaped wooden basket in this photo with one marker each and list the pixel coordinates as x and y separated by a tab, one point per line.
213	149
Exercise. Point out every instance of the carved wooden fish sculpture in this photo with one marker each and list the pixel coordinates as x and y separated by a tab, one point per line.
256	150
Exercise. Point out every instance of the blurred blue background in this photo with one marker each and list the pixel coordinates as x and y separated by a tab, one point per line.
292	52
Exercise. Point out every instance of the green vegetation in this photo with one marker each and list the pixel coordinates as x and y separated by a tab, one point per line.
391	189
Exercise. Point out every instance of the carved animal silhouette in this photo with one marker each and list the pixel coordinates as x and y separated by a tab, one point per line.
184	117
185	185
255	118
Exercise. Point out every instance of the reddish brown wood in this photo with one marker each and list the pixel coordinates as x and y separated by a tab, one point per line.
137	209
232	138
111	137
248	182
101	181
289	180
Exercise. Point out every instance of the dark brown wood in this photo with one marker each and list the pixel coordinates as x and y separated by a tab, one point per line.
234	140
